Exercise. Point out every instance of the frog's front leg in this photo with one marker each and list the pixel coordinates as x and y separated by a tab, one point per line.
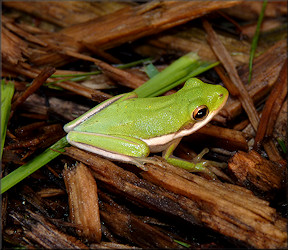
115	147
199	166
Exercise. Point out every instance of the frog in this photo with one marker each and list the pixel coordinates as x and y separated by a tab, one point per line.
128	129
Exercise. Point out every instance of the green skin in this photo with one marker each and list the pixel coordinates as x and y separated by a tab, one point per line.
126	128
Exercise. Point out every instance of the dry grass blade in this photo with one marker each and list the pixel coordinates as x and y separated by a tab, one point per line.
229	65
111	245
74	87
26	70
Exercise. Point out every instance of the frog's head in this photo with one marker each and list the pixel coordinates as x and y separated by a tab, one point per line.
205	100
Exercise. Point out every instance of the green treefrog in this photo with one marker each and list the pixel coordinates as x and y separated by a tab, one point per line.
126	128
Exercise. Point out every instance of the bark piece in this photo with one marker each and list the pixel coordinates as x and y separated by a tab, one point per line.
45	234
272	106
126	183
39	203
83	201
255	172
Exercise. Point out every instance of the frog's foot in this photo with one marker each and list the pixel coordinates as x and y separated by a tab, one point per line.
216	164
199	165
212	168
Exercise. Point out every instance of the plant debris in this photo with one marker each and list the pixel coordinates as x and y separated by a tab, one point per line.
63	58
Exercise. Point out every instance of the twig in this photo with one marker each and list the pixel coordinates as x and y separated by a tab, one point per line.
38	81
272	107
229	65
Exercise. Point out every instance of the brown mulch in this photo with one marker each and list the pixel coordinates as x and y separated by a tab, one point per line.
80	200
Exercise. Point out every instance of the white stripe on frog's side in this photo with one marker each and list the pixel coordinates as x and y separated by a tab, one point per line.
157	144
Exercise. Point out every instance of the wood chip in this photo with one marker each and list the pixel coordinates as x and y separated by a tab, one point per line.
83	201
256	172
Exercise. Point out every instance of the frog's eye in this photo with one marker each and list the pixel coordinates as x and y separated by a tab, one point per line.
200	113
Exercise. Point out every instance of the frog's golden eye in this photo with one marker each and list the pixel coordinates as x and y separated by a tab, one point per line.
200	113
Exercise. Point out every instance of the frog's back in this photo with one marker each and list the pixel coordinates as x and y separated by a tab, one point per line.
138	117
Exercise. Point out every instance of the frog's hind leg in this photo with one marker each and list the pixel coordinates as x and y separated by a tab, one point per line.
115	147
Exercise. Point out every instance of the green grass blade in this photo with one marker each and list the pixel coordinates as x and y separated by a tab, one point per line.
25	170
169	75
282	145
198	69
184	244
178	72
256	38
151	70
7	91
